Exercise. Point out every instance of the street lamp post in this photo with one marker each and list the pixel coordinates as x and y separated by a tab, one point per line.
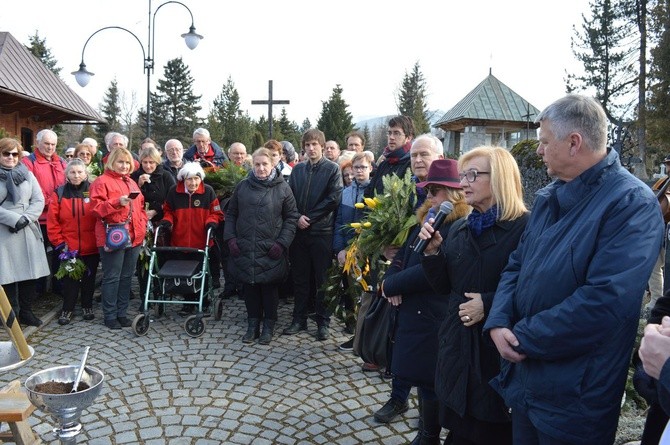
83	76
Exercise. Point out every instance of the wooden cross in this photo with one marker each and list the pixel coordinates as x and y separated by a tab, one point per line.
527	116
270	103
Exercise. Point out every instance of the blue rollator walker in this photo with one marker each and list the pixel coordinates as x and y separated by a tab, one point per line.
177	277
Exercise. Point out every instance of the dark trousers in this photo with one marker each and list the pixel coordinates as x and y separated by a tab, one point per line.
261	301
654	425
525	433
311	256
400	389
86	285
54	264
666	267
21	295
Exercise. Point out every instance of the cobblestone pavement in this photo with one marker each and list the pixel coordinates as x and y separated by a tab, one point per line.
169	388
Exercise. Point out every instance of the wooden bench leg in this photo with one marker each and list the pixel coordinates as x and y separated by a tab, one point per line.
23	434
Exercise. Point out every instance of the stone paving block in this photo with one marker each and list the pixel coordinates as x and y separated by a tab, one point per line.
167	388
150	433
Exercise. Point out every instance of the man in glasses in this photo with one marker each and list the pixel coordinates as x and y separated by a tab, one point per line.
425	149
205	150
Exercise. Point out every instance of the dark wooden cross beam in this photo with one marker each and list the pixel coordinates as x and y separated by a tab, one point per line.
527	116
270	102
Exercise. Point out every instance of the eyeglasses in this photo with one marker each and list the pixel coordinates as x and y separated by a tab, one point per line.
471	175
360	167
69	156
395	133
84	153
434	189
9	154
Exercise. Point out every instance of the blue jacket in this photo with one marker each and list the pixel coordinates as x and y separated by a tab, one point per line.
572	293
347	213
217	157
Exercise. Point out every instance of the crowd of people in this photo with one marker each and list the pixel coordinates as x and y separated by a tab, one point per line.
515	325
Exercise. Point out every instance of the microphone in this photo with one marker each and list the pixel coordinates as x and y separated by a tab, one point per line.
445	209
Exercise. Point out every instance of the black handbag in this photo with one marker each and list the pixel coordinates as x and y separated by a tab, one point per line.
377	332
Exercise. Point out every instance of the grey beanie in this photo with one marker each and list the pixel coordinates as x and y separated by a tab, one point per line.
288	150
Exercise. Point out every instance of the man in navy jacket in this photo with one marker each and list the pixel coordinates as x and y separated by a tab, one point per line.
565	314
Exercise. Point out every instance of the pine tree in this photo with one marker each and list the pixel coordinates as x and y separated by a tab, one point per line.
600	46
412	99
174	106
226	122
111	111
306	125
335	121
289	129
658	125
609	45
38	47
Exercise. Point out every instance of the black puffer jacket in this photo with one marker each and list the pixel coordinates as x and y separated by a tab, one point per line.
318	190
155	192
260	213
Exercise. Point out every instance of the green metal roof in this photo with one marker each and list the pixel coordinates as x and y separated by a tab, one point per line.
491	100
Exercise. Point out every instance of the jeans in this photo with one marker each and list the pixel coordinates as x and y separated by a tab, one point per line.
118	268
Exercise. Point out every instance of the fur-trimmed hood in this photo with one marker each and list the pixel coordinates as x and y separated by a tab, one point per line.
461	210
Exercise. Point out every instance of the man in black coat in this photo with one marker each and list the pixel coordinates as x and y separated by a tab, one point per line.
317	187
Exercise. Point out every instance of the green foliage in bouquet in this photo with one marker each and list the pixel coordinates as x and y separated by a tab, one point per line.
389	219
224	179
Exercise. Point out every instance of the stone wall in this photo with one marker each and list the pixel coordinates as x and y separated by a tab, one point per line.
533	171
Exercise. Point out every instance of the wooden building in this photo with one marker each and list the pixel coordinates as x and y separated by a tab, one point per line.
490	114
32	97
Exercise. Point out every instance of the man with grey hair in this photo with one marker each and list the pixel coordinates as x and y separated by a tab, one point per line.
204	150
114	140
237	153
424	150
49	170
174	156
332	151
565	313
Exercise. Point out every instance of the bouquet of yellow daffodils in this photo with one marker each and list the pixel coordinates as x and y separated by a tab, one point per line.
389	218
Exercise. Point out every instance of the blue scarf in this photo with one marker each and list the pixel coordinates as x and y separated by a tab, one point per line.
478	222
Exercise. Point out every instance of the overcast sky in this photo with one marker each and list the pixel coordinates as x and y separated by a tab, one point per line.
307	47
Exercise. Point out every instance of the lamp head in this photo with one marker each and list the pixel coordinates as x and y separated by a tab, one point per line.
192	38
82	76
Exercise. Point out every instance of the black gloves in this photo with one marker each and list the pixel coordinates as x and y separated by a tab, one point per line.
165	225
233	247
20	225
210	225
275	251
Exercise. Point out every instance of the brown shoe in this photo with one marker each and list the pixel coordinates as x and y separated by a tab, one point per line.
369	367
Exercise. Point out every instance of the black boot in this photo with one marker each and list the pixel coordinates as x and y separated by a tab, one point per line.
26	315
429	424
253	330
268	332
417	439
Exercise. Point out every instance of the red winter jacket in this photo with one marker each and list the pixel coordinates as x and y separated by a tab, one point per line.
71	219
190	214
49	173
105	193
